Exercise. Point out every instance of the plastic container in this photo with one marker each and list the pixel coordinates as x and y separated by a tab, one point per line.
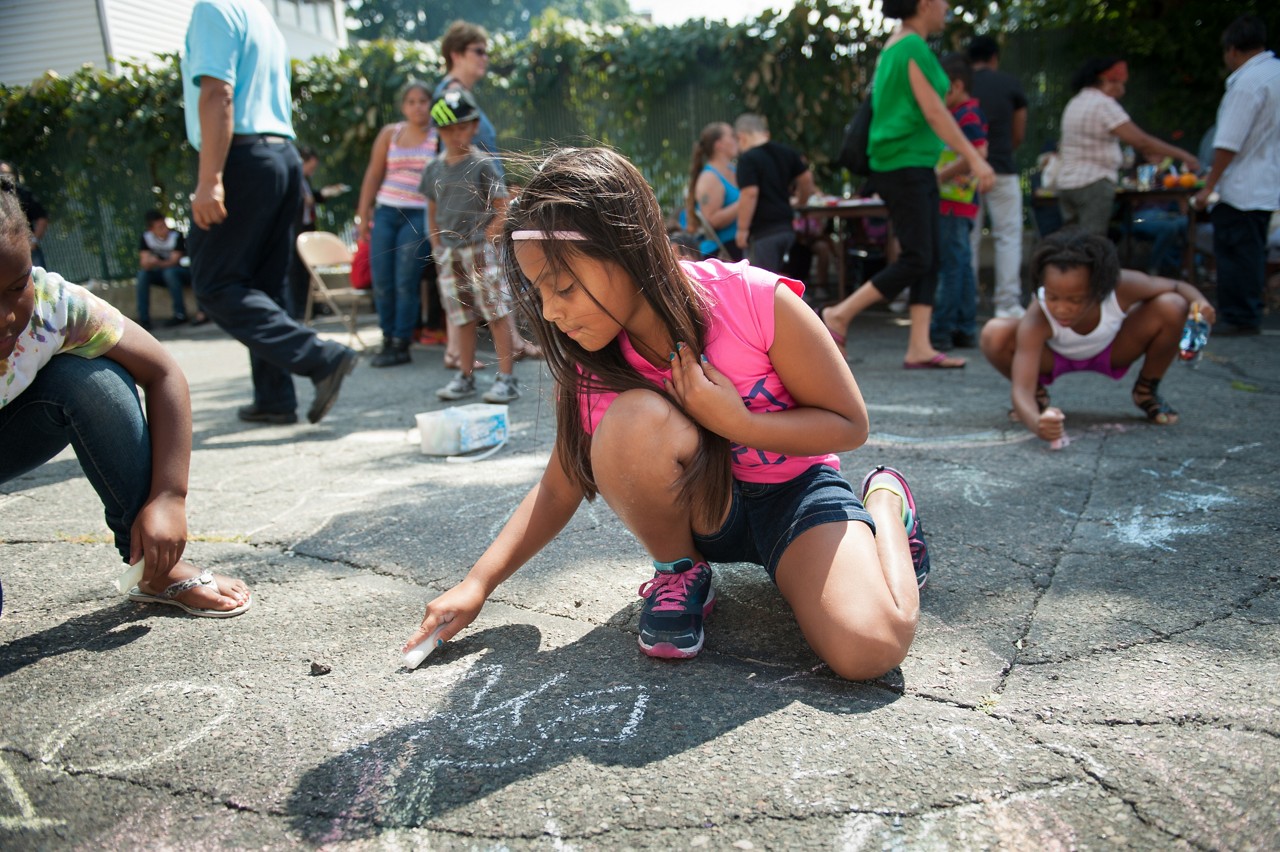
462	429
1195	334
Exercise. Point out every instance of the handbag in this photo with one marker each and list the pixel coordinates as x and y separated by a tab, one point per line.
857	135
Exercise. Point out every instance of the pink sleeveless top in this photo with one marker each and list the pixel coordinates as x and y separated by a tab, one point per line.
404	172
738	341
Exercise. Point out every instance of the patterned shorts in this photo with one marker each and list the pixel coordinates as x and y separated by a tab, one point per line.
470	288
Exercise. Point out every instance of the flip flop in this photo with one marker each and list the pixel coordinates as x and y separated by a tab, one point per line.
839	338
170	594
937	362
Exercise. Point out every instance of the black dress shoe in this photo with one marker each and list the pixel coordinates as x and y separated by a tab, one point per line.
328	387
252	414
175	322
961	340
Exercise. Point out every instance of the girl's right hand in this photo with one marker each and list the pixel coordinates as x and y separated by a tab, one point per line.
1050	425
456	608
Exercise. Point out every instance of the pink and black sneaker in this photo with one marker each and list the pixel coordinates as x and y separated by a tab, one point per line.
676	601
890	480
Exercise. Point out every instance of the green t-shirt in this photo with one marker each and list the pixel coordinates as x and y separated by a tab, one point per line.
900	137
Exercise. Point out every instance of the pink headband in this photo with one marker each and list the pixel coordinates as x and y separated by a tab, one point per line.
548	235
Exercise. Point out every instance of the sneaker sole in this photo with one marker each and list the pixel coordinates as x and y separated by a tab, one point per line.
667	651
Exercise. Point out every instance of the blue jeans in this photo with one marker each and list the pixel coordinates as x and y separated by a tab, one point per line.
172	277
955	306
91	404
398	252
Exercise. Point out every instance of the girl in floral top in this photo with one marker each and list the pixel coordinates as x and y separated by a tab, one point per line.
69	367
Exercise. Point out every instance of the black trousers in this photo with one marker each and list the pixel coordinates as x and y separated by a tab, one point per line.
1240	252
238	271
912	198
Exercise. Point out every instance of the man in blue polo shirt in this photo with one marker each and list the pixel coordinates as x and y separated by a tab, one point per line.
235	76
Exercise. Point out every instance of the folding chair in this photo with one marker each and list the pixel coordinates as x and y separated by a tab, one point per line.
710	233
327	257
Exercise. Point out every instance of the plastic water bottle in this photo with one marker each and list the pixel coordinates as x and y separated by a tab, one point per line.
1195	334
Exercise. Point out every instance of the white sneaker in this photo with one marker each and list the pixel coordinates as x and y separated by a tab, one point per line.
1015	312
461	387
505	389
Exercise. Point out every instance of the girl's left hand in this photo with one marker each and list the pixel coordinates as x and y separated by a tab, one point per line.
706	394
159	534
1207	313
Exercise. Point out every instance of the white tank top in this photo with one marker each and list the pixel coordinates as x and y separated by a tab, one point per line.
1081	347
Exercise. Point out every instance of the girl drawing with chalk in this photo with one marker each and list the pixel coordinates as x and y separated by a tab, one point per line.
705	403
70	365
1090	315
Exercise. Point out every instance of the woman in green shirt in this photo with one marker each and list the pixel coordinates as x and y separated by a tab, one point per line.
910	124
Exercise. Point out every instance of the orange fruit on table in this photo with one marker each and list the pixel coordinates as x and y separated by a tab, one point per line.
1170	181
1187	180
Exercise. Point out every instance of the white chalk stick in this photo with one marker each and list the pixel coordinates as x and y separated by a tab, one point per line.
1059	443
415	655
130	577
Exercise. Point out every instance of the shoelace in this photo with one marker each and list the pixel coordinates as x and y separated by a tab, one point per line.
672	590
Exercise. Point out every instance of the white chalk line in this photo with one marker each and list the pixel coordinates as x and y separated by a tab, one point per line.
159	747
27	819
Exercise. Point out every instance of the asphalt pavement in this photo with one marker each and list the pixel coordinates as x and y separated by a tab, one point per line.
1096	666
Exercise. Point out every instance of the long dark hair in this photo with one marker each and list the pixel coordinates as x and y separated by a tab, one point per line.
702	151
597	193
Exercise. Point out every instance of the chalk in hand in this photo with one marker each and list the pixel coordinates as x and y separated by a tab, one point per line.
130	577
1059	443
415	655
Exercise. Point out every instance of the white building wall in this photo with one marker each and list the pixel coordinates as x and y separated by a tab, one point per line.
36	35
62	35
139	29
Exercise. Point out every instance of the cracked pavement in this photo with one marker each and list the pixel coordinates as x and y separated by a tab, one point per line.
1096	664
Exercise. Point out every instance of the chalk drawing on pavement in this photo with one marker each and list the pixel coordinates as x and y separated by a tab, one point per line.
27	818
208	703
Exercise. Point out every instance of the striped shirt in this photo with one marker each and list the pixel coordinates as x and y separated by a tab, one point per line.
1249	124
959	197
404	172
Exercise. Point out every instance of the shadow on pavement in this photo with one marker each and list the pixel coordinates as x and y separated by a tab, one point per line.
517	712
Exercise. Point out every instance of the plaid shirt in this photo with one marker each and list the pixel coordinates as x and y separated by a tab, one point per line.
1088	150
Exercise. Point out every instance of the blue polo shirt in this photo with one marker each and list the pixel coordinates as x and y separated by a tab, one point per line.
238	42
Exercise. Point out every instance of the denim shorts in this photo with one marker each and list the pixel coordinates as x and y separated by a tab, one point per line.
766	517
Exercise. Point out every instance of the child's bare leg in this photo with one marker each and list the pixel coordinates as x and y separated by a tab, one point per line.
854	595
638	453
998	341
229	594
466	335
1151	332
838	316
504	343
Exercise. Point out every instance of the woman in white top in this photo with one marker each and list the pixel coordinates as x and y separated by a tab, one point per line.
1093	126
